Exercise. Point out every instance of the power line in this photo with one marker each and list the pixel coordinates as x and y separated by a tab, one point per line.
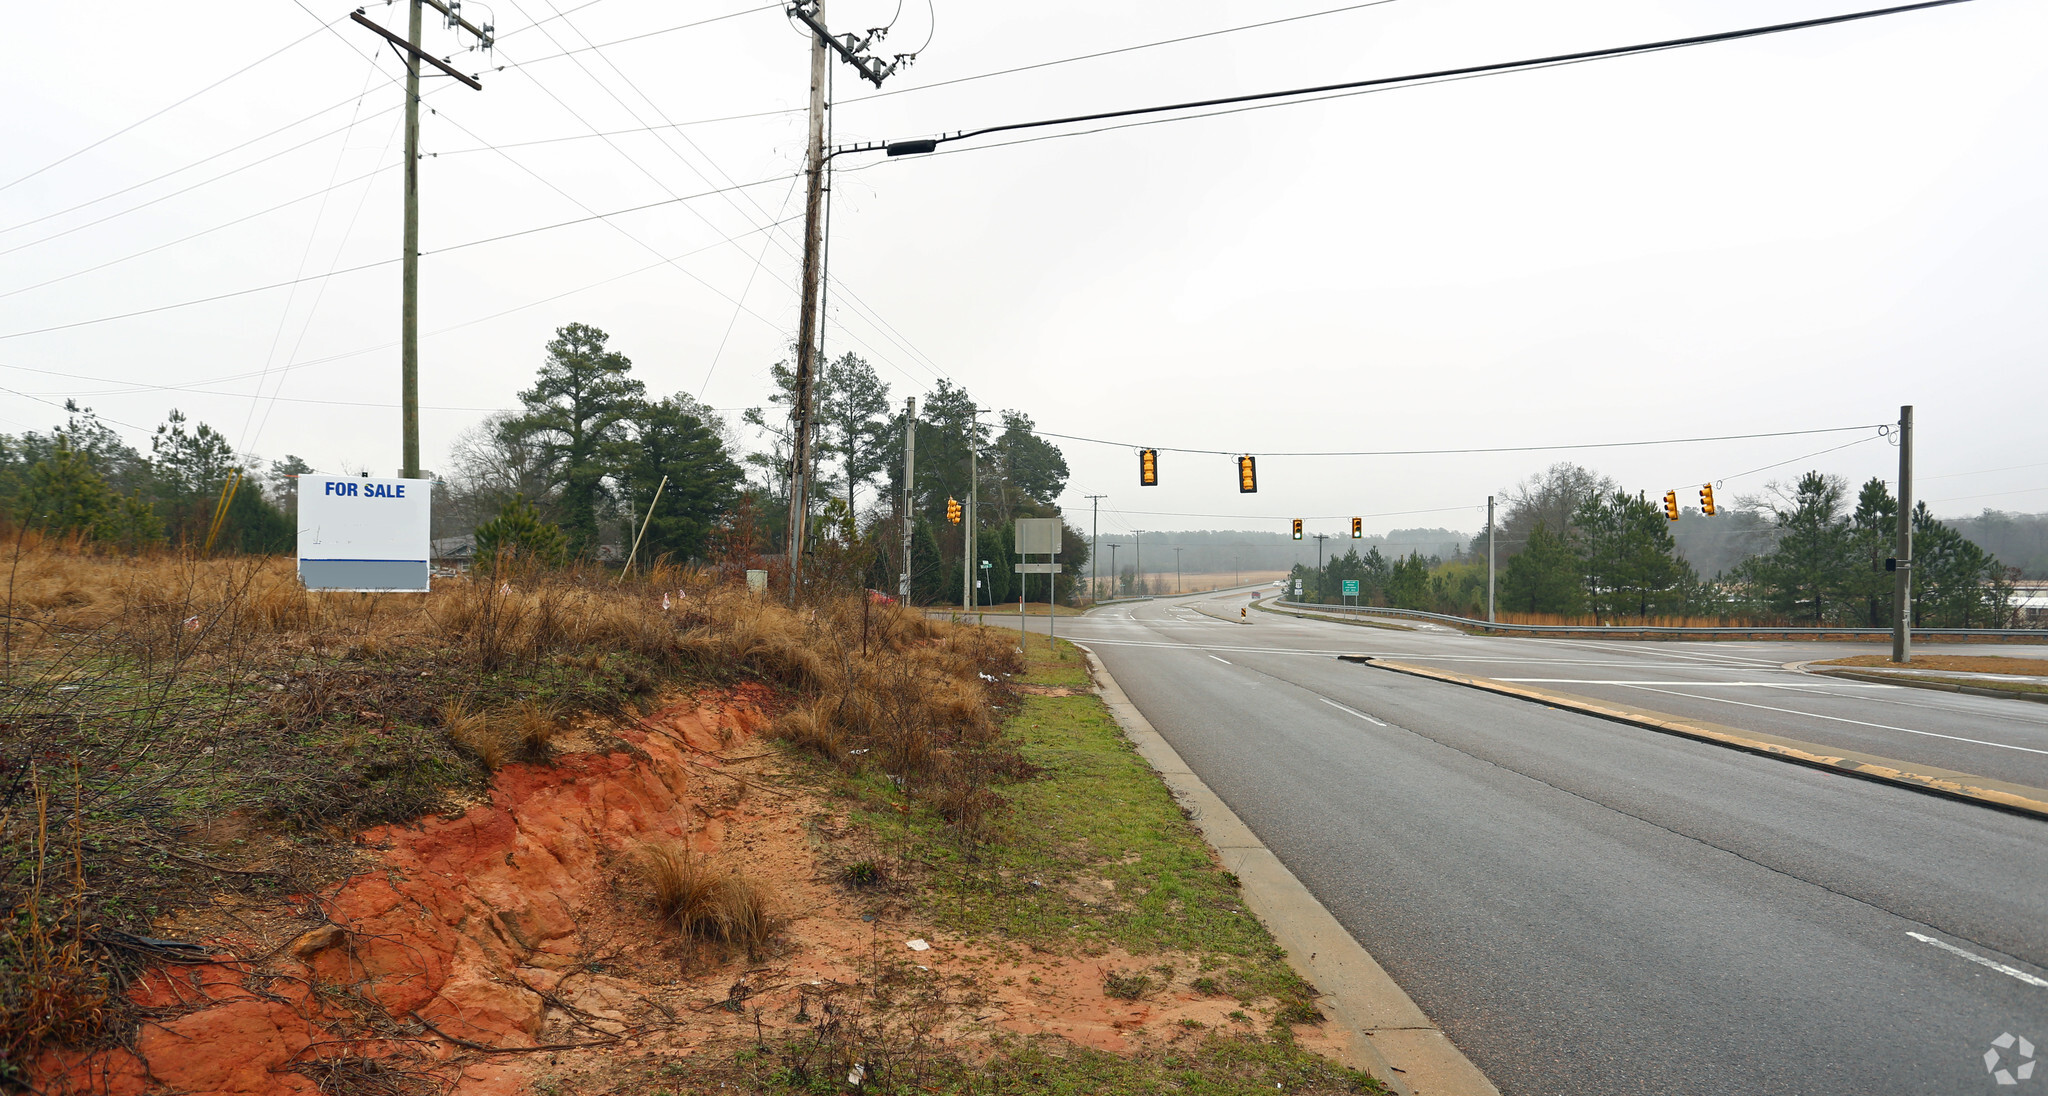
1794	460
166	110
130	386
188	167
564	17
319	295
1455	452
883	328
322	192
1384	81
386	262
1119	50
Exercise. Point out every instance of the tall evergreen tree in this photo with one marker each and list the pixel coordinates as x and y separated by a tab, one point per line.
1543	577
1627	557
1806	576
669	439
853	422
576	415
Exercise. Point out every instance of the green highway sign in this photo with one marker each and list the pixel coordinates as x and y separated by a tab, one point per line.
1350	587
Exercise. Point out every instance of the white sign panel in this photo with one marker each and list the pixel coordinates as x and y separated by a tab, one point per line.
364	534
1038	536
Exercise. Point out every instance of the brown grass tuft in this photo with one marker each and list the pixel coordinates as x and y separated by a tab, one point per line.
705	902
471	731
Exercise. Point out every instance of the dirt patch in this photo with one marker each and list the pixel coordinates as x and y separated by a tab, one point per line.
1977	664
511	947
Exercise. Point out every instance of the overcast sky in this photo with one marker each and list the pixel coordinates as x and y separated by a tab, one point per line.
1797	232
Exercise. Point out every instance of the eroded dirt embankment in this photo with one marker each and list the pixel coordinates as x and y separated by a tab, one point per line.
486	953
464	927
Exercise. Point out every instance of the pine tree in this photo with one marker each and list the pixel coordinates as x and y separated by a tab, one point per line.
519	534
1543	577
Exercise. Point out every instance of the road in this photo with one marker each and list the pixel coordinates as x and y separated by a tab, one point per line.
1590	907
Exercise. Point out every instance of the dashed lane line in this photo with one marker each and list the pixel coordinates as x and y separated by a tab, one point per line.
1350	711
1981	960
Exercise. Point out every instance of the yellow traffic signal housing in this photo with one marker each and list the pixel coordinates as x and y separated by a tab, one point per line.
1148	467
1247	475
1357	528
953	510
1297	528
1671	505
1707	499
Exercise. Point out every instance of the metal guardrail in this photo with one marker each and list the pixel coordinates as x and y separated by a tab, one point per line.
1659	629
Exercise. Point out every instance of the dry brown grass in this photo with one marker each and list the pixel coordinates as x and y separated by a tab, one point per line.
1976	664
185	689
706	902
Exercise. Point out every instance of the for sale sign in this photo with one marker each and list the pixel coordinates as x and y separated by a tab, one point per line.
364	534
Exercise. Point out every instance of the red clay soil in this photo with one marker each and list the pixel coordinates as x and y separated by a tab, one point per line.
456	907
508	946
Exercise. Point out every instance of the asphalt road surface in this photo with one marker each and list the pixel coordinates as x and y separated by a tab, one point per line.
1589	907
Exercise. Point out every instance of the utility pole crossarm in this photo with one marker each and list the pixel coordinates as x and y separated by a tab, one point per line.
849	50
484	35
408	47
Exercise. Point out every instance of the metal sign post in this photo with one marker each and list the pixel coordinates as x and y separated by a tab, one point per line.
1038	537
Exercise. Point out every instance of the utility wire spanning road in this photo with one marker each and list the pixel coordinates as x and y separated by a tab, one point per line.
1590	907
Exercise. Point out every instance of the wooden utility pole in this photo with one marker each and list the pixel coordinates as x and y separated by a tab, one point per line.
807	315
409	293
409	307
969	546
906	510
1095	546
1490	535
1902	586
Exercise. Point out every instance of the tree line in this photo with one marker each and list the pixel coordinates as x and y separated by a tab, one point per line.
571	474
1573	544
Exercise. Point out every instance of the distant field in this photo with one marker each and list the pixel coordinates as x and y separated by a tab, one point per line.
1195	582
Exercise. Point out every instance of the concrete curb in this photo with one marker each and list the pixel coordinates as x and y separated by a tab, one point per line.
1388	1035
1967	787
1921	683
1218	616
1355	622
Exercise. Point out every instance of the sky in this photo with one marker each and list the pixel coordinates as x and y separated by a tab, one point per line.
1795	233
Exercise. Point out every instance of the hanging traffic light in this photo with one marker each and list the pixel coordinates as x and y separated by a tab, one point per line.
1247	475
1671	505
1707	499
1148	467
1357	528
953	510
1297	528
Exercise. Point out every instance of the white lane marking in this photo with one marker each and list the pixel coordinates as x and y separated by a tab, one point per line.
1697	656
1224	661
1697	684
1351	711
1840	719
1982	961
